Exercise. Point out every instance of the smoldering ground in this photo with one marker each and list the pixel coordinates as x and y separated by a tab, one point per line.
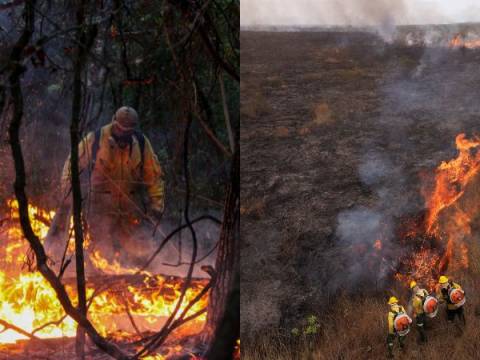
390	113
138	250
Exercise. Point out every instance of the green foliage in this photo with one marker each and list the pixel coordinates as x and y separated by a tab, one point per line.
310	326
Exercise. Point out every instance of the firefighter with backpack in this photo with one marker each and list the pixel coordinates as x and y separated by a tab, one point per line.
123	182
424	305
453	295
398	325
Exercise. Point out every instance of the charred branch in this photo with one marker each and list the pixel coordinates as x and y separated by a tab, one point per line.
7	326
172	234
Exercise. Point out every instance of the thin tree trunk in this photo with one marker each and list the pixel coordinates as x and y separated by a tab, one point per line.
228	329
75	181
223	307
85	37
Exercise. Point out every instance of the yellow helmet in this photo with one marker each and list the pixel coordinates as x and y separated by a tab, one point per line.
443	279
392	300
413	283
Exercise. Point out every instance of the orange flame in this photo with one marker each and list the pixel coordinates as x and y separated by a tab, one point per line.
460	41
447	221
28	301
451	179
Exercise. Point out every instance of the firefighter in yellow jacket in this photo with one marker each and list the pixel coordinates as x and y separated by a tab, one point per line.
453	299
395	311
418	297
123	182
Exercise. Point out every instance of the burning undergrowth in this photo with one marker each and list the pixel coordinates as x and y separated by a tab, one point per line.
423	245
125	304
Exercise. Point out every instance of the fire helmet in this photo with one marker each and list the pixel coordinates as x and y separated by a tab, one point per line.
443	279
125	119
392	300
413	283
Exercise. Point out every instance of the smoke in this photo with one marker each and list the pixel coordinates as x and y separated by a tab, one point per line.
364	231
384	15
410	102
47	84
311	12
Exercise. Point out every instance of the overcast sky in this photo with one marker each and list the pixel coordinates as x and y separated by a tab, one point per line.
357	12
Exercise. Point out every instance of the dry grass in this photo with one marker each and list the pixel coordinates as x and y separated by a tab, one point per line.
255	103
282	132
254	207
356	329
351	74
321	114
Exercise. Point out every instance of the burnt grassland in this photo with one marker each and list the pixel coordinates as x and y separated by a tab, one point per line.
312	105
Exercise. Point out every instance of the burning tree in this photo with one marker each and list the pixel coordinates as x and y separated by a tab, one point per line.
172	55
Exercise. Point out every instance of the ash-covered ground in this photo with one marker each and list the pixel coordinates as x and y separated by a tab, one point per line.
338	129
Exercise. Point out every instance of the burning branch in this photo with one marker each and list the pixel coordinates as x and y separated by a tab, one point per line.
7	326
130	317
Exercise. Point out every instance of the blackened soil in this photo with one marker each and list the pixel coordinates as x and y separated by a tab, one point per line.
313	105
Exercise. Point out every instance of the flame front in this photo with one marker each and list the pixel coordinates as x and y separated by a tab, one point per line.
28	302
463	41
451	180
443	235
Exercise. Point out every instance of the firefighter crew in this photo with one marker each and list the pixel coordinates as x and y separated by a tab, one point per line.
453	295
395	331
418	297
124	182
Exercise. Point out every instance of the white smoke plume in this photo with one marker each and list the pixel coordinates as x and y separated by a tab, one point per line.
383	14
359	228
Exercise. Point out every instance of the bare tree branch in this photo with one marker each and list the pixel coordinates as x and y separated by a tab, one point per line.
170	236
19	186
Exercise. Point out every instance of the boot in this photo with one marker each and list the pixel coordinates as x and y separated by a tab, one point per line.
423	335
401	340
390	350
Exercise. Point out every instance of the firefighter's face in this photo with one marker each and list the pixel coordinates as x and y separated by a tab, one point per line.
122	138
123	141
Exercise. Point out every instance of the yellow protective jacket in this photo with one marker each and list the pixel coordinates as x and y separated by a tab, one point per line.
118	174
394	311
443	295
417	301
